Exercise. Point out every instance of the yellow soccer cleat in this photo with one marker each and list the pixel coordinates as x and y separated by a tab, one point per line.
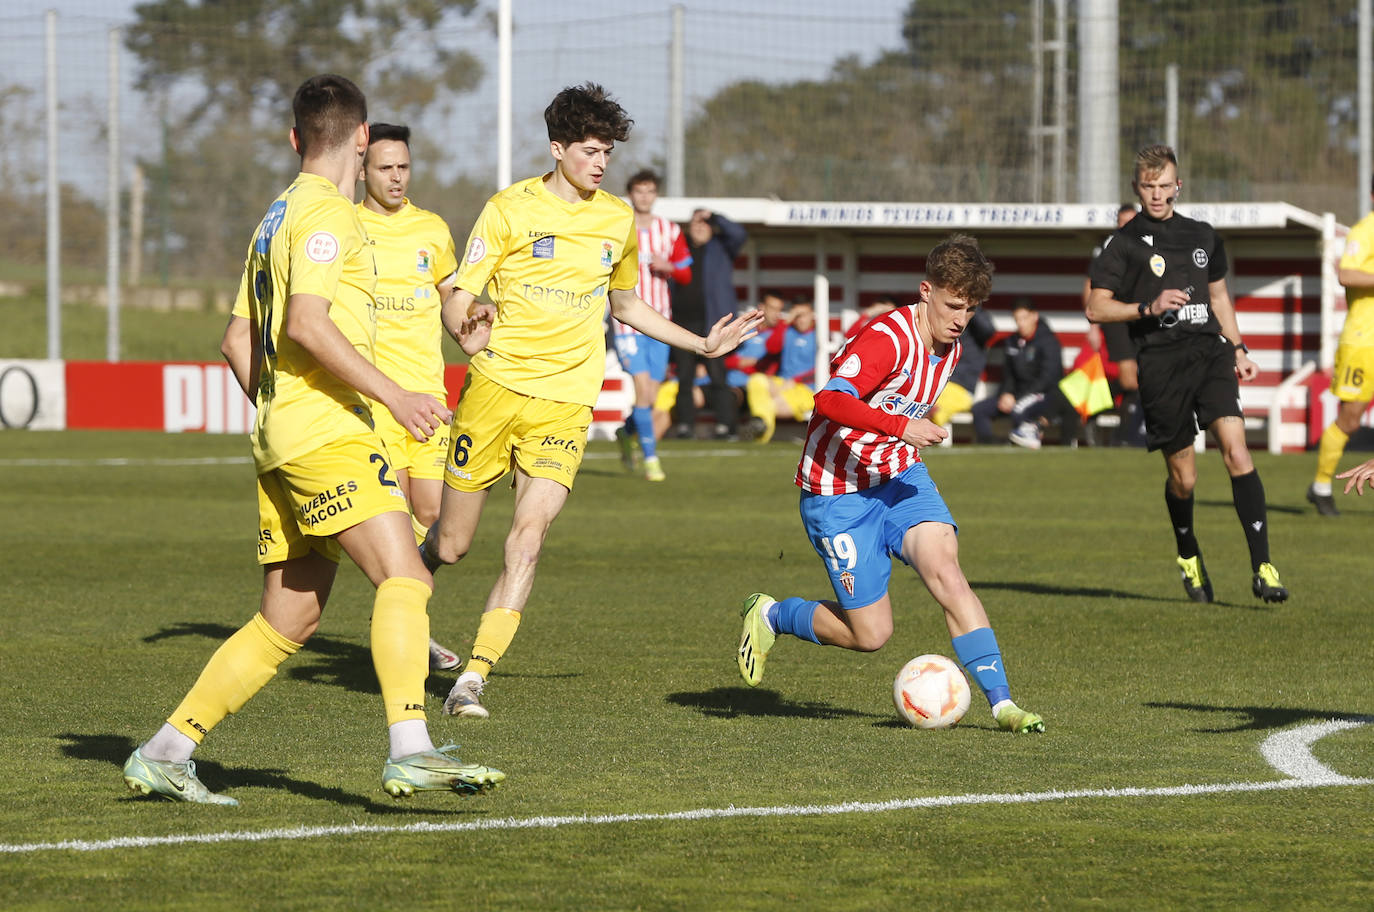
756	639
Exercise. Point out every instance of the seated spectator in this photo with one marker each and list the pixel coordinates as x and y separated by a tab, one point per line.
957	396
788	395
1032	367
882	304
1056	408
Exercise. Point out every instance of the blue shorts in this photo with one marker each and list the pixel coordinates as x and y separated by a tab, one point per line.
858	534
641	354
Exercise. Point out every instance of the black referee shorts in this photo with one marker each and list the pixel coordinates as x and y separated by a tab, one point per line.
1185	385
1118	338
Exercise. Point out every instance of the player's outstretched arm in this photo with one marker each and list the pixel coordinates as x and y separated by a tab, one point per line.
467	320
1356	477
309	326
723	338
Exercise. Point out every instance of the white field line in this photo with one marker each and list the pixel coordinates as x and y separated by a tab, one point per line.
1287	750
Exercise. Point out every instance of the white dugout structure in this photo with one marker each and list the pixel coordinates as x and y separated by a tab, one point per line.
1282	278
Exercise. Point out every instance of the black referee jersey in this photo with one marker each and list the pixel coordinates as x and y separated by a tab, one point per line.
1145	256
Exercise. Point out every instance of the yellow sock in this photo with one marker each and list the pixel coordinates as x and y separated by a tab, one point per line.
758	391
494	634
419	530
241	666
1329	453
400	646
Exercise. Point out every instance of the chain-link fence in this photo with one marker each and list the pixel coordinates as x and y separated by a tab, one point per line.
900	100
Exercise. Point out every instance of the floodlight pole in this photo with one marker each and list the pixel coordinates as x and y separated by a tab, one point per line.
503	95
112	296
54	192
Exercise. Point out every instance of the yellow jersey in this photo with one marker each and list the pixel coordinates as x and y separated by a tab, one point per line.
414	253
1359	254
551	265
309	242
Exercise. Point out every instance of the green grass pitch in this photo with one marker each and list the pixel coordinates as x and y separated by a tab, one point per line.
626	732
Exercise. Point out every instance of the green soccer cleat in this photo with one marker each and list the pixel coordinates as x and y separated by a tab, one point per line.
173	780
631	455
756	639
1195	581
1013	718
438	770
1267	585
1325	503
653	469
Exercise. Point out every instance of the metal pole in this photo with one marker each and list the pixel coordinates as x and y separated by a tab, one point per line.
503	95
1366	22
820	302
1061	98
54	192
1098	92
112	209
1171	107
676	178
1037	128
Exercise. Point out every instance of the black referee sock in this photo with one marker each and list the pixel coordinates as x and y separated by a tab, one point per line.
1181	518
1248	493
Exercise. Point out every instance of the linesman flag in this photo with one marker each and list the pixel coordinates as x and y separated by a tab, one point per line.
1086	387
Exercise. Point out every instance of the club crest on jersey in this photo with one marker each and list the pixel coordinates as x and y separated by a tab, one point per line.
847	581
1199	257
606	251
476	250
850	367
1157	264
322	247
422	261
543	247
897	404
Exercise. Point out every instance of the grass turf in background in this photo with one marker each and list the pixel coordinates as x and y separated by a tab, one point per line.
620	696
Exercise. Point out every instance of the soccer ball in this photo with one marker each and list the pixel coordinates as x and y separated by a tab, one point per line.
931	692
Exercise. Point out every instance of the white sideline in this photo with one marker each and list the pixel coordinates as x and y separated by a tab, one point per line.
1288	751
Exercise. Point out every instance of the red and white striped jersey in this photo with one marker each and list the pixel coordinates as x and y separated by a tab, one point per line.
662	238
890	370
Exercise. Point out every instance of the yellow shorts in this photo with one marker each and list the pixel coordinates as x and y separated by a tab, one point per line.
798	396
954	400
305	502
494	427
1353	379
418	460
666	399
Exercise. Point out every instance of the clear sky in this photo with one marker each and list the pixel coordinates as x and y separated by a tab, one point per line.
621	43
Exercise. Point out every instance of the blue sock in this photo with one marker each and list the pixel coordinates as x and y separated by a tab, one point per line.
795	616
643	420
977	651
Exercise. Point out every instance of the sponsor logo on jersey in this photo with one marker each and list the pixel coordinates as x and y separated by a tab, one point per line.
850	367
270	223
606	252
1157	264
1148	239
422	261
1199	257
322	247
543	248
897	404
476	250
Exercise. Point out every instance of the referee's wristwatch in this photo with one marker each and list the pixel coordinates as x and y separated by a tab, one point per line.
1241	346
1143	308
